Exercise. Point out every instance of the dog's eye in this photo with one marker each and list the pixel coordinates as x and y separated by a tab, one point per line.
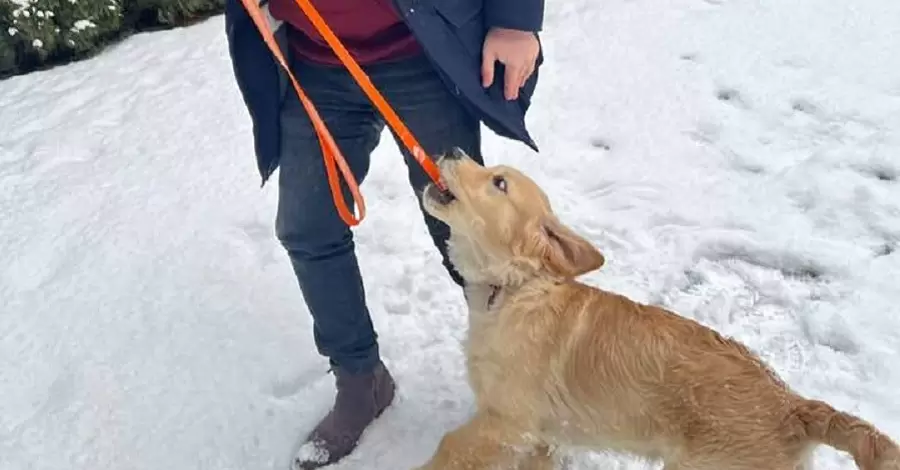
500	183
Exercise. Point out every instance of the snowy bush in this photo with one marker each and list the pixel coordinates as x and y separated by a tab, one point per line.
166	13
38	33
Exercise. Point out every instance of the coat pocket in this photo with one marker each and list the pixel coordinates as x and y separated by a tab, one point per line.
466	18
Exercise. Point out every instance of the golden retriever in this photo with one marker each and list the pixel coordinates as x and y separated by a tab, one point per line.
556	363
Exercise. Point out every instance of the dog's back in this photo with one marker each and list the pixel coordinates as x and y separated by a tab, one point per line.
653	383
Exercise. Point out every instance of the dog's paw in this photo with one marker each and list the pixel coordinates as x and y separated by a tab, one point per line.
565	462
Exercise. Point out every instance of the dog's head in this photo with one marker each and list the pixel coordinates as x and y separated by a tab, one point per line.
503	229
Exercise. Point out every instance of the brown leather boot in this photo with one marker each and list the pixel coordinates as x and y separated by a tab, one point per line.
360	399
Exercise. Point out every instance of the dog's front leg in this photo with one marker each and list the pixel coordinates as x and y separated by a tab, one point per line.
486	442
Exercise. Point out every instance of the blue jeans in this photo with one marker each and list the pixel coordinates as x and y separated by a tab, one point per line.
319	244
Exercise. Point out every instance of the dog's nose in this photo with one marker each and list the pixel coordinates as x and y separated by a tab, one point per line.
455	153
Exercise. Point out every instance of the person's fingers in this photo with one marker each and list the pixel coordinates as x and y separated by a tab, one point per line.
513	81
527	71
488	60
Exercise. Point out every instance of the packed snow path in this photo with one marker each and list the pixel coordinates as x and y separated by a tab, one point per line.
736	161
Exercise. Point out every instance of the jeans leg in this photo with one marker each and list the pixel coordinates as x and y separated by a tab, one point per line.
319	244
437	119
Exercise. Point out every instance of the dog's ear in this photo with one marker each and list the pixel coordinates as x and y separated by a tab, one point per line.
566	253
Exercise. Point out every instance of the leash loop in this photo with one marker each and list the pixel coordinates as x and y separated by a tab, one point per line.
333	158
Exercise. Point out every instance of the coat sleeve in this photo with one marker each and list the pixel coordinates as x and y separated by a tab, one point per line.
524	15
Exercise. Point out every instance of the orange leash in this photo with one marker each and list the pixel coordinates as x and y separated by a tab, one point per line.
334	160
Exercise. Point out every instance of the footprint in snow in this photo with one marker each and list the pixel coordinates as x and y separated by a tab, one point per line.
790	264
803	105
731	96
886	249
600	143
880	171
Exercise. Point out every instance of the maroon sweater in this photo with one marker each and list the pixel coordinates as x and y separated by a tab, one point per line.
371	30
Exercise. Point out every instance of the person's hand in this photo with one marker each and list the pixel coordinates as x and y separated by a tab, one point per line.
516	50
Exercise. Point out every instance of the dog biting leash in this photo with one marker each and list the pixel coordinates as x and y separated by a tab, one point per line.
334	160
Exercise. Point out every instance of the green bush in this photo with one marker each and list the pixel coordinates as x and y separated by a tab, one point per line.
152	14
35	34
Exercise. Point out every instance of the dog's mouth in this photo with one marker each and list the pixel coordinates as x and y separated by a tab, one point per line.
442	197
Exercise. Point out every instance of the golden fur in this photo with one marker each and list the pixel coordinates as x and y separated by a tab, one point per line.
554	362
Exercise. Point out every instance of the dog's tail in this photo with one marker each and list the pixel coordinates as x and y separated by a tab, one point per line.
870	448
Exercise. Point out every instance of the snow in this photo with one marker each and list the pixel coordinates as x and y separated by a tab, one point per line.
81	25
313	451
735	161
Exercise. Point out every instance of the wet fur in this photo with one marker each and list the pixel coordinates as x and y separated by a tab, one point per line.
554	362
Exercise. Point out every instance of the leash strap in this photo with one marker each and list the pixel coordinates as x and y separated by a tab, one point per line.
334	159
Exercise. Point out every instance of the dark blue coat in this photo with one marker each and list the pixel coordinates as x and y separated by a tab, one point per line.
450	31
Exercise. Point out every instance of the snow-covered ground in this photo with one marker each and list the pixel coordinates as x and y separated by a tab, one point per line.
736	161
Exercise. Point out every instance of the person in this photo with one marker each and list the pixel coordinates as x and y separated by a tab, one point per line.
445	66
